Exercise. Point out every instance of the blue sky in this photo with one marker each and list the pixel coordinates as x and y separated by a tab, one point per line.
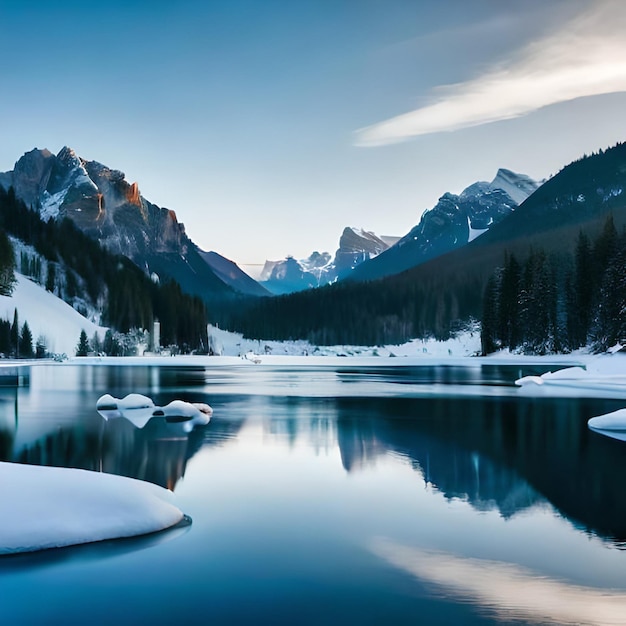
270	125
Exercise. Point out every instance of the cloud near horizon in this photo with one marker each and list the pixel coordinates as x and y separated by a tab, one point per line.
585	57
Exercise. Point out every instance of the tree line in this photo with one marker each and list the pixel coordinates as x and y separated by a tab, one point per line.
78	269
549	303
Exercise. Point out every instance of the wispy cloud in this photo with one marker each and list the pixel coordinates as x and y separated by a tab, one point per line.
585	57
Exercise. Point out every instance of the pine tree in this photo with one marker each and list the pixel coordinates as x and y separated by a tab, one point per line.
489	325
82	349
7	265
41	349
15	336
26	342
51	277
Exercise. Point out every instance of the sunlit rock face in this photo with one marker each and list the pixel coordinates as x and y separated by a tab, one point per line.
99	200
107	207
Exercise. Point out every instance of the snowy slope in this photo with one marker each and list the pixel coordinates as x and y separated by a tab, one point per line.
47	316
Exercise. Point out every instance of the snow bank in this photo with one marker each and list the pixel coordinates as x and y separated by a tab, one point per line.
225	343
611	424
604	374
52	507
47	316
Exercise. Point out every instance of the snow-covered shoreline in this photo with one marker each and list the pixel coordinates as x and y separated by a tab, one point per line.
54	507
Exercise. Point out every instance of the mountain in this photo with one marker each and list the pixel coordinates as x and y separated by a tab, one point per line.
355	246
231	274
440	295
108	288
104	205
453	222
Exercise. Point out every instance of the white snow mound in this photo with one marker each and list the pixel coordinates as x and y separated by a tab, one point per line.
610	421
139	410
53	507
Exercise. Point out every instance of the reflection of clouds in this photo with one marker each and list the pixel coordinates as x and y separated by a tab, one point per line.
510	591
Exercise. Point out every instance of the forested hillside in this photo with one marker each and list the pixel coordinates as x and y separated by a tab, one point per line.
77	269
438	297
560	302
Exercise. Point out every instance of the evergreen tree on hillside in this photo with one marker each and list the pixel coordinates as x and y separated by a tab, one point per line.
15	335
7	265
51	277
26	342
41	350
490	316
581	299
82	349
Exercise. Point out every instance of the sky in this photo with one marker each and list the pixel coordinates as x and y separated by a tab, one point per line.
270	125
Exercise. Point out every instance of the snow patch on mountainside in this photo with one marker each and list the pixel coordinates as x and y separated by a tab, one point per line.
51	203
474	232
47	316
517	186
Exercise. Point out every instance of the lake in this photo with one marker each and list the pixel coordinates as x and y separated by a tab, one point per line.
331	495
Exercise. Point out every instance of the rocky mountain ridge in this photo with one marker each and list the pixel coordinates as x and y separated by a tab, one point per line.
453	222
355	246
104	205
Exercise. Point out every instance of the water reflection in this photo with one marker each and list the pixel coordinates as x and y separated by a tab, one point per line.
497	453
157	453
508	454
508	591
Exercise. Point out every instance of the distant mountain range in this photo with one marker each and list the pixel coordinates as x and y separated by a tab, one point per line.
104	205
438	294
355	246
362	255
452	223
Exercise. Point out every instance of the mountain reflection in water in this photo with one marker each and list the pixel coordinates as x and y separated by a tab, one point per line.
506	453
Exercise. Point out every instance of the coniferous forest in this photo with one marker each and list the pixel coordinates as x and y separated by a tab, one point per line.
558	303
76	265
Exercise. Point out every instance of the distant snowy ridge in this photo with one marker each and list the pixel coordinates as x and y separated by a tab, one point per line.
356	245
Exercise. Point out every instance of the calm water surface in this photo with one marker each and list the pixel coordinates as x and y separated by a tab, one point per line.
426	495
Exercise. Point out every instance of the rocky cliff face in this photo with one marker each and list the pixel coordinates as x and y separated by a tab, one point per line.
102	203
355	246
453	222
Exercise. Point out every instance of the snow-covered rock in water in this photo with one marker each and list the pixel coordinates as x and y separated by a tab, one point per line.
139	410
53	507
611	424
134	407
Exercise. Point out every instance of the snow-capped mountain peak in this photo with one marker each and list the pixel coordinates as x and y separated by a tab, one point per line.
453	222
355	246
518	186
